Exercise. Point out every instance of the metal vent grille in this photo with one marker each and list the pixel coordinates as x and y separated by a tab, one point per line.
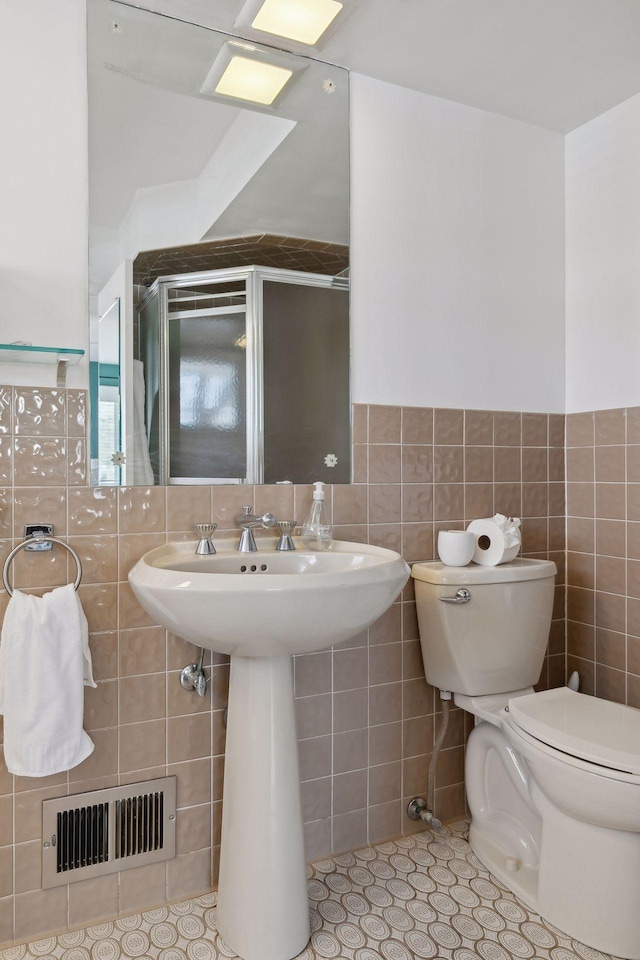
92	834
139	826
82	837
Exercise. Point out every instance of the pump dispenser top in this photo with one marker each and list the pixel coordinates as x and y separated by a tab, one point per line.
316	530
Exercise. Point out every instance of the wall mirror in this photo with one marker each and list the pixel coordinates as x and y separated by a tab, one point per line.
219	259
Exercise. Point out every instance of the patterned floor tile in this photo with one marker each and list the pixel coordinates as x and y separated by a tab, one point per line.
424	896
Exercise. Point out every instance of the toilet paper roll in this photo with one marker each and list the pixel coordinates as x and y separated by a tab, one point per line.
498	540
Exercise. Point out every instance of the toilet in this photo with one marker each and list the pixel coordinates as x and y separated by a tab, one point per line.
552	778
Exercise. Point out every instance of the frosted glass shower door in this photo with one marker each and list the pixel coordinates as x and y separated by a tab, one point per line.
207	398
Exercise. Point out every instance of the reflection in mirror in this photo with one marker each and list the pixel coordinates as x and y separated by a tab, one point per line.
220	228
105	408
220	408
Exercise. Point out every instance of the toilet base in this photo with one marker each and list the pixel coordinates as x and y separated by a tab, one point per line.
581	877
600	921
523	881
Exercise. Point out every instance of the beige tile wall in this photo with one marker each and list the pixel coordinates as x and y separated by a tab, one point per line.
603	558
366	715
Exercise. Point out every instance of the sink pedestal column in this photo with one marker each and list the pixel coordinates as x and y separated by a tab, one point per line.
263	909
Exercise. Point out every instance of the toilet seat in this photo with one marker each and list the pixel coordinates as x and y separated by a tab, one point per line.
600	733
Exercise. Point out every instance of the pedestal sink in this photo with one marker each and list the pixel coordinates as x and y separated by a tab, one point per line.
261	608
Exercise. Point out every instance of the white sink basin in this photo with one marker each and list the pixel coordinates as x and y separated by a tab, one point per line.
261	608
267	603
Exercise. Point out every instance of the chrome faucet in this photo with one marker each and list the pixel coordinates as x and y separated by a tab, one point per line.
205	532
248	521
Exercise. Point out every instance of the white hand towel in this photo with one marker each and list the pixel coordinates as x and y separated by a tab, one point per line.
45	663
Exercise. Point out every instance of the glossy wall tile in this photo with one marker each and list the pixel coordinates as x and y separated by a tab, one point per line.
603	552
366	717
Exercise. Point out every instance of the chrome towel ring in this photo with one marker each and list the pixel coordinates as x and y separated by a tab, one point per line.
38	539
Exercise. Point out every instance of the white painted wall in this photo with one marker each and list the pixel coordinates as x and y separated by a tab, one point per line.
603	261
457	253
43	178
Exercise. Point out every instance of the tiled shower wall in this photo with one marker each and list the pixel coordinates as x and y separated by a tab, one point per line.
366	716
603	543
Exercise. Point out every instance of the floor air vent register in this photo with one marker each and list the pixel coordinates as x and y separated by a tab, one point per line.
104	831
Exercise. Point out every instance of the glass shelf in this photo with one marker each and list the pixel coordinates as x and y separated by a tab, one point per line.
25	353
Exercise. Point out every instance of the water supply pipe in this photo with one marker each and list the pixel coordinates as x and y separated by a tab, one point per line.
418	808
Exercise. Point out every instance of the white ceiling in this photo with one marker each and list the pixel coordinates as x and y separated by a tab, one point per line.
552	63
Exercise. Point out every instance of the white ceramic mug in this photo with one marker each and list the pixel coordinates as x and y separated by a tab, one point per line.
456	547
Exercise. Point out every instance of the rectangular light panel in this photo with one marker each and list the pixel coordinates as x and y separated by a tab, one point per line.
301	20
254	80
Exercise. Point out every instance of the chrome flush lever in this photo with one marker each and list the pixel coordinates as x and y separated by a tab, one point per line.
462	596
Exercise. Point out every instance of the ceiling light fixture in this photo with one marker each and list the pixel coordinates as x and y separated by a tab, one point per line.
247	79
302	21
244	72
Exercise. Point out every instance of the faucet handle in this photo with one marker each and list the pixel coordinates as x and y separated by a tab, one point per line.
204	532
246	517
205	529
286	528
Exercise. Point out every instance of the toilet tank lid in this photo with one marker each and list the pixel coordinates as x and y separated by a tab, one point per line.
521	569
599	731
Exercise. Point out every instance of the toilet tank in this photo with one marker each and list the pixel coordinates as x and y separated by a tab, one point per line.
495	641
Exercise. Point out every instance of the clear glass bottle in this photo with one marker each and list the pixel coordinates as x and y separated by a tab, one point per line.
316	530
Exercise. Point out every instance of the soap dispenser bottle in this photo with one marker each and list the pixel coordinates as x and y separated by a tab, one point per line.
316	530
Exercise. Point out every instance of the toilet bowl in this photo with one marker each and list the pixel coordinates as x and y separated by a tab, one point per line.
552	778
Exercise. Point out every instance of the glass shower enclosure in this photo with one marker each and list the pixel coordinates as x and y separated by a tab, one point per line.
246	377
